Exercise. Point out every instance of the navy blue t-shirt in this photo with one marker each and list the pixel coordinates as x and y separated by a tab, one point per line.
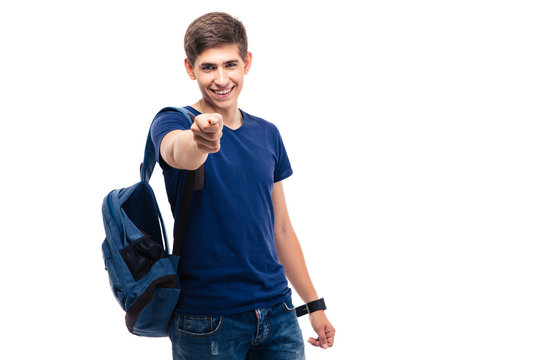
229	261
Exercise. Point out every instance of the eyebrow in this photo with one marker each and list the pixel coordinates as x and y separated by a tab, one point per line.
225	63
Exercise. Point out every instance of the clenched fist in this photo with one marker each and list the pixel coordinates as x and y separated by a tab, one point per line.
207	131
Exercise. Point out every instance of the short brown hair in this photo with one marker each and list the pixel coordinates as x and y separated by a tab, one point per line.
213	30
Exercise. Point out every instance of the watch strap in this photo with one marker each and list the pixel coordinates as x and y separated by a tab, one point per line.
310	307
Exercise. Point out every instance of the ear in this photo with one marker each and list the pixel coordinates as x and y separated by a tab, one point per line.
247	62
189	69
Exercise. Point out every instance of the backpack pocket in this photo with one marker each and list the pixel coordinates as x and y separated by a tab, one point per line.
140	255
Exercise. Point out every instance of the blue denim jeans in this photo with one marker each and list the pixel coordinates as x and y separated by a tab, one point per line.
262	334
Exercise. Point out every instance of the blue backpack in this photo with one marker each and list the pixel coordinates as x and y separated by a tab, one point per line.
142	271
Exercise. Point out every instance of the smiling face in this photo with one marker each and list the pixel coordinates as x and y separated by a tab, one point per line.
219	72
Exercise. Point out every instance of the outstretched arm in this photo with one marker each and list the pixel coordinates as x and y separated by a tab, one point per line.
188	149
292	258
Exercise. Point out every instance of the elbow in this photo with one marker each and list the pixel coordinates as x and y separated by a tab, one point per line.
192	167
283	233
185	164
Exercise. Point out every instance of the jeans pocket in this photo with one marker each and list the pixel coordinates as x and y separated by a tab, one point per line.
288	305
199	325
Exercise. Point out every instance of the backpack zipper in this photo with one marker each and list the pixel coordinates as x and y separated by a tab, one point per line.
111	211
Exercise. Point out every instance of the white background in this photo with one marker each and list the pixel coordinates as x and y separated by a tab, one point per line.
412	128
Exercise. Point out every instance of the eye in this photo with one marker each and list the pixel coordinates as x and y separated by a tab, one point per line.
231	65
207	67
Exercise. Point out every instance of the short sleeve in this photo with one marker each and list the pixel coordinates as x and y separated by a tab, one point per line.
283	167
165	123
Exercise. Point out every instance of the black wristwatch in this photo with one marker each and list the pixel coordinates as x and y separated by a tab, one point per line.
311	307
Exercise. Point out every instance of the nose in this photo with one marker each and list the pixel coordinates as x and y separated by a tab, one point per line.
221	77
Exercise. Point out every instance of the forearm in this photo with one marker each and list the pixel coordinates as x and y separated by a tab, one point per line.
180	150
292	258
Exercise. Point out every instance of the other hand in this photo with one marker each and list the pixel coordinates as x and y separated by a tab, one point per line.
323	328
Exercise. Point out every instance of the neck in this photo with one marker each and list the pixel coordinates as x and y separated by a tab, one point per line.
232	117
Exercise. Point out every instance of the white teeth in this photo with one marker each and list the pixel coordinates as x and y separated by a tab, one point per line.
222	92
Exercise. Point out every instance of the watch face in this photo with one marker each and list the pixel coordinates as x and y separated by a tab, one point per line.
310	307
316	305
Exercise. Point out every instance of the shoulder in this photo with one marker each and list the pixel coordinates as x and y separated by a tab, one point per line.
170	118
261	123
173	113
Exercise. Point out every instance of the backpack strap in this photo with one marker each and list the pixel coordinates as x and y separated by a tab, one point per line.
194	181
149	162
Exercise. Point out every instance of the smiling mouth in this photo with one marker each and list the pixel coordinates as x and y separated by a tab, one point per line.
222	92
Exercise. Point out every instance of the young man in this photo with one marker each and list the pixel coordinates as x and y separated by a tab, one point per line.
239	246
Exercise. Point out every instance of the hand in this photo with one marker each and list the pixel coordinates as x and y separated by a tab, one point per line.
323	328
207	131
